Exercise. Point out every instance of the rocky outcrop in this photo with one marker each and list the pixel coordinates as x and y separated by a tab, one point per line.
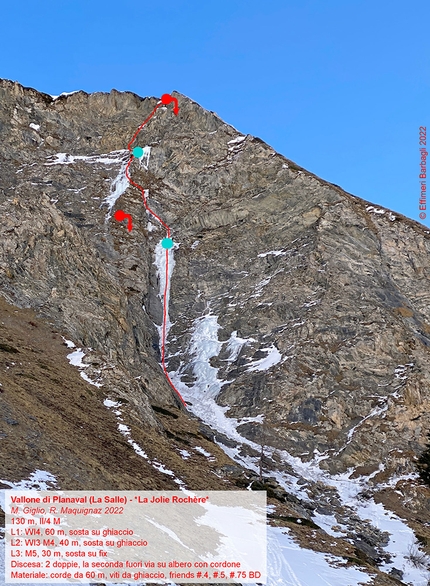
338	287
320	299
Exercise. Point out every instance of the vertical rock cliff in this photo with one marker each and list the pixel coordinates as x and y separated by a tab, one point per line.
300	323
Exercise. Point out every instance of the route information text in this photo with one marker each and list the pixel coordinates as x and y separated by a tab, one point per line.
135	536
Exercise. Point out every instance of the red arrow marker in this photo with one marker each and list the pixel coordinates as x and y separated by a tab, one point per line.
120	216
167	99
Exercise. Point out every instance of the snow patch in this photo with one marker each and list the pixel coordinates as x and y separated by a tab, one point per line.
235	345
257	419
126	432
75	359
259	287
38	480
118	187
34	126
65	94
112	158
68	343
109	403
237	140
273	253
290	565
88	380
374	210
327	522
203	451
273	357
144	159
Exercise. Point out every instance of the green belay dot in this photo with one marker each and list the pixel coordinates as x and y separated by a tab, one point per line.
138	152
167	243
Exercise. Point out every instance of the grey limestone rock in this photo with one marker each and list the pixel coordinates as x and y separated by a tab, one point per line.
331	290
278	255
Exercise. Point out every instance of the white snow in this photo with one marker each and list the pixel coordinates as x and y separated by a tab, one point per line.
290	565
259	286
88	380
68	343
112	158
375	210
203	451
402	537
120	182
401	370
109	403
160	263
287	563
273	357
377	411
235	345
273	253
38	480
205	345
124	429
327	522
392	482
126	432
237	140
34	126
248	530
257	419
118	187
169	532
312	303
75	359
66	94
144	159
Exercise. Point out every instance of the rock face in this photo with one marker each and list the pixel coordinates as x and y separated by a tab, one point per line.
313	305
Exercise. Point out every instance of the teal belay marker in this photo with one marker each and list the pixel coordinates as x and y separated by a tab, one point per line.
138	152
167	243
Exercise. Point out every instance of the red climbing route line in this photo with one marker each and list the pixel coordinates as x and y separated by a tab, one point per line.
142	191
143	124
165	99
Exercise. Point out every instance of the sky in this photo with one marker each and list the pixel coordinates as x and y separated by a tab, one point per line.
340	87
